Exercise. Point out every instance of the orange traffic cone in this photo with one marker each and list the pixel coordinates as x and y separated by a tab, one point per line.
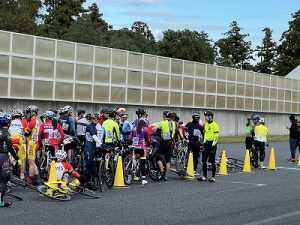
223	165
190	168
119	176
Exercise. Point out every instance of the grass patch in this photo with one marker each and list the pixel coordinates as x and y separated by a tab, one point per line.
241	139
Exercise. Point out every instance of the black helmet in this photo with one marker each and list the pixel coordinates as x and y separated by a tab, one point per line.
292	117
167	114
196	116
140	112
112	113
208	113
104	110
54	111
79	111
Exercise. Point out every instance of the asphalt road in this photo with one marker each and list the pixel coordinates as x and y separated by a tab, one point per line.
262	197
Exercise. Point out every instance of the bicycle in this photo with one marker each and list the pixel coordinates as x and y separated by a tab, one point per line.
45	160
131	165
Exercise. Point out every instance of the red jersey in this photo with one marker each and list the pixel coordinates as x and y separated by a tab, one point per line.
47	132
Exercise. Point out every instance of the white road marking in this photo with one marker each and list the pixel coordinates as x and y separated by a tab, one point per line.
253	185
289	168
272	219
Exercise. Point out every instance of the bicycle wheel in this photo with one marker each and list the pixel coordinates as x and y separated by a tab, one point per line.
101	177
21	183
84	191
128	169
43	171
153	169
239	164
109	174
53	194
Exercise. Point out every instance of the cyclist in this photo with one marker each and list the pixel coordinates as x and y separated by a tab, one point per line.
119	112
112	131
103	115
16	131
167	130
81	125
260	139
293	138
68	126
249	129
211	135
5	148
92	142
31	134
140	141
62	167
195	136
51	132
125	128
141	113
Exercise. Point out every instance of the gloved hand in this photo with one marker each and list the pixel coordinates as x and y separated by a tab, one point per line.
98	145
26	134
214	144
19	162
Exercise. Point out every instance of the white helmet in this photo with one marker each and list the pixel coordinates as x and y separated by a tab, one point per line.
61	155
262	120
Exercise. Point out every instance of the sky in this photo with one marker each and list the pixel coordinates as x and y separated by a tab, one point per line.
212	17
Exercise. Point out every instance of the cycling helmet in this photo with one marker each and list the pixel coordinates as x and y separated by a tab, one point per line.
49	114
292	117
196	116
61	155
112	113
97	115
54	111
104	110
208	113
140	112
32	109
4	119
16	113
167	114
67	109
255	117
93	116
79	111
262	120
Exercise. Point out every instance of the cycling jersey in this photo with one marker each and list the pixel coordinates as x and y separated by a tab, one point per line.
53	136
81	126
90	131
16	130
64	168
261	132
249	130
112	132
195	131
100	132
125	130
211	131
140	140
167	129
32	129
67	124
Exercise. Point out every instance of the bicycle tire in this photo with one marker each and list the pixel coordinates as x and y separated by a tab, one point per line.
62	197
22	183
84	191
239	164
153	169
101	176
128	169
109	174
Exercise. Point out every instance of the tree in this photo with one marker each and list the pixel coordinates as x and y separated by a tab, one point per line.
234	51
289	49
141	27
96	17
267	53
60	15
19	16
187	45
